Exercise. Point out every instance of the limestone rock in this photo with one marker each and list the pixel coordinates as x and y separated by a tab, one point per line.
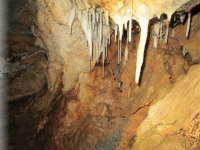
163	66
190	44
69	49
174	113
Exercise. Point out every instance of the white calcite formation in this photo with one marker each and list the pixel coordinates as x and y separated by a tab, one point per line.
62	26
121	12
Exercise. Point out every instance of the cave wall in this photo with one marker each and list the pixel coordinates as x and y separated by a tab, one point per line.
67	50
59	27
162	108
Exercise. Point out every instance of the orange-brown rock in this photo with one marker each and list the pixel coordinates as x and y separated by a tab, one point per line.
190	44
86	121
34	59
162	66
19	43
175	114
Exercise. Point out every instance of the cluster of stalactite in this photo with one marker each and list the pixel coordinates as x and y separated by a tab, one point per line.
95	22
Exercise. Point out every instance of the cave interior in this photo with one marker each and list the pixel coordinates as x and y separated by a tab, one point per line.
100	75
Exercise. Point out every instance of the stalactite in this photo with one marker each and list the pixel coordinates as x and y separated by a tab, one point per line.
126	48
120	31
90	40
106	13
116	30
100	34
118	50
130	28
71	16
105	31
99	45
109	33
97	17
120	40
141	48
161	27
93	48
140	13
188	24
93	18
92	30
106	48
87	18
156	33
95	30
167	32
103	54
125	26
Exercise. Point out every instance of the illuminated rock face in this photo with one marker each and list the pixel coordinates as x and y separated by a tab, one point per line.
140	10
62	27
66	48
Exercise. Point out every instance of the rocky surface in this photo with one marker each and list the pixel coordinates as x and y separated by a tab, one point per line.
173	115
24	67
66	47
190	44
56	102
87	120
23	64
163	66
173	96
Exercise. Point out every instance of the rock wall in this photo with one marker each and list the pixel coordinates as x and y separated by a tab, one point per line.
87	120
169	102
67	50
102	108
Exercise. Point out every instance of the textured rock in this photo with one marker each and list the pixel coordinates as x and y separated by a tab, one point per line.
173	114
23	67
129	132
27	82
69	50
162	67
191	44
19	43
86	121
34	59
61	34
89	115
